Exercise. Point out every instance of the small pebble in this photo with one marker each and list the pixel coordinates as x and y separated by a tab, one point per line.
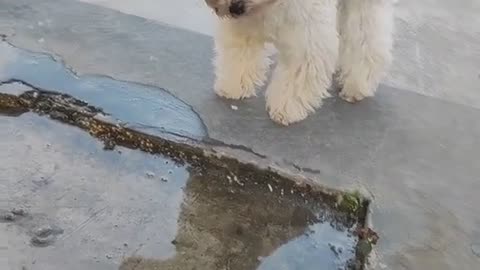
150	174
235	108
43	236
235	178
42	241
43	231
270	188
58	116
164	179
109	256
108	145
336	250
8	217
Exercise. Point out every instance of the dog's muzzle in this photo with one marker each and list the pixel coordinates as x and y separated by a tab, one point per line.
237	8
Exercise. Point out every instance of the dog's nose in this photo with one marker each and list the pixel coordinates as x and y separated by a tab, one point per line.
237	8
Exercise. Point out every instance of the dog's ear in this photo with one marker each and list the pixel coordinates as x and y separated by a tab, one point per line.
221	7
212	3
216	3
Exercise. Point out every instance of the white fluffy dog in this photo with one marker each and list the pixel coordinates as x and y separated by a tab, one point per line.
314	39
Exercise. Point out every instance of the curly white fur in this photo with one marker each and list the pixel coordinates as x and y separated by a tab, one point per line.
314	38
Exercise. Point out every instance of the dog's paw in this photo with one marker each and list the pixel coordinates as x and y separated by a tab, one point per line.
286	106
355	90
240	86
238	91
240	82
289	112
352	96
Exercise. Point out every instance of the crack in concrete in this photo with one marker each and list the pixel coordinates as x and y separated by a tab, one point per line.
302	169
208	140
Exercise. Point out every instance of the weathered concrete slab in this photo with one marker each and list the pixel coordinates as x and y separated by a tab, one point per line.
417	155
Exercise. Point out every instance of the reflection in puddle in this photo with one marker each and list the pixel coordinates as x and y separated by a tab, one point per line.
313	250
224	225
125	101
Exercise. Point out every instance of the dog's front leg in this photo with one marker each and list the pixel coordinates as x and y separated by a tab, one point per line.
307	57
240	62
365	46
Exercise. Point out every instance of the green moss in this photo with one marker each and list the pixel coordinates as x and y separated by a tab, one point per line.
350	202
364	248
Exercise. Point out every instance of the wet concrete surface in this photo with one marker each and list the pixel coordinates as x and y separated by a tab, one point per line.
165	112
414	147
72	204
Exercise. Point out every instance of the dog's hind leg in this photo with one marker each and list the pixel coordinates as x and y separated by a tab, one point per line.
240	61
308	49
365	28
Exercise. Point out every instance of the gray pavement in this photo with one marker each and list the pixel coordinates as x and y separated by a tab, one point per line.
414	147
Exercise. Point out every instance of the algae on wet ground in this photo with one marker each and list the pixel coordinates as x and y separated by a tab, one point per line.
12	105
351	202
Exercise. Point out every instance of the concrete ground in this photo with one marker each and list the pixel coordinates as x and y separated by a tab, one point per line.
414	147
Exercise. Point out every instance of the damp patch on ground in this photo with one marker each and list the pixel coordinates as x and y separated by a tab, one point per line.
124	101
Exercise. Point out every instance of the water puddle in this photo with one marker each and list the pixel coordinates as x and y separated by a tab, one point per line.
126	101
100	195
